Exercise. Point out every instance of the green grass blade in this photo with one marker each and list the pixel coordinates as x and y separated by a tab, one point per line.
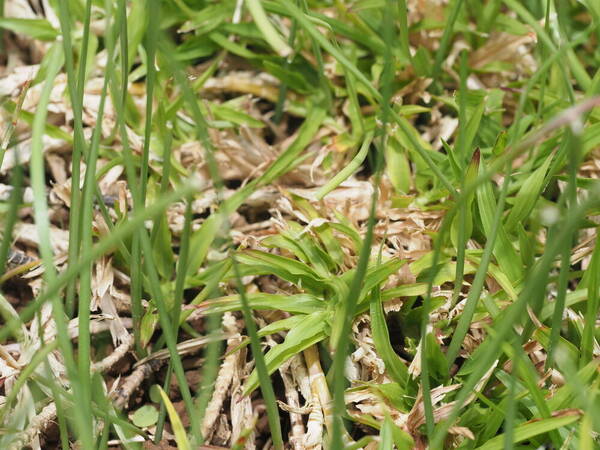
262	373
529	430
527	196
592	306
446	37
381	337
85	281
350	301
268	31
14	202
308	332
343	174
569	201
83	416
474	295
178	429
169	333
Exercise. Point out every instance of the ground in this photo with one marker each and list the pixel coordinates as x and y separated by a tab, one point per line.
305	225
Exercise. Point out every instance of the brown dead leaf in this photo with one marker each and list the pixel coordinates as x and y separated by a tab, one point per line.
102	288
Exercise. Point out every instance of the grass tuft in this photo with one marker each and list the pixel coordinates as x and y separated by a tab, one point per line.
303	225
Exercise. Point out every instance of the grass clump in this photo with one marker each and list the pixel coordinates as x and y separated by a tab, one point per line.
365	224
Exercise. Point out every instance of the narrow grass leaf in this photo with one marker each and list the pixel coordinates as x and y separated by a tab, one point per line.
398	166
503	249
35	28
588	339
178	430
386	435
345	173
83	417
527	196
269	32
306	333
381	337
294	304
440	55
261	372
530	430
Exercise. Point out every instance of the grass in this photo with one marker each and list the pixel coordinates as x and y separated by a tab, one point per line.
364	224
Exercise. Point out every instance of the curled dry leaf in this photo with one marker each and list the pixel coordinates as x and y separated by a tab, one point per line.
372	367
505	47
102	289
26	233
260	85
298	432
243	417
224	377
352	198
